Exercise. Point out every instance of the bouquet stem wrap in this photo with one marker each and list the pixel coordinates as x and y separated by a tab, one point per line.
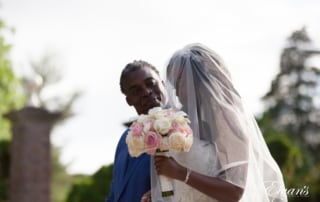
166	183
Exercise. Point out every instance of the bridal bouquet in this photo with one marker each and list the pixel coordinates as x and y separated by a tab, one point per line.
158	132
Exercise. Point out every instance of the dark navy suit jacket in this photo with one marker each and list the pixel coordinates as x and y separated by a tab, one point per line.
131	176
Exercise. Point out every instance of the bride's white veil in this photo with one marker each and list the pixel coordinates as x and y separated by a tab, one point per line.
198	76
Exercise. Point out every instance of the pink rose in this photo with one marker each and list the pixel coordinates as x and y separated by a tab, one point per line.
176	127
188	130
153	141
136	129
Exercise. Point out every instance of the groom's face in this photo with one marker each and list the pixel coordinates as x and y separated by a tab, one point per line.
144	90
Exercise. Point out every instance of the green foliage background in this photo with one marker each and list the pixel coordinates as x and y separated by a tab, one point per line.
11	97
92	188
61	181
291	118
11	94
296	164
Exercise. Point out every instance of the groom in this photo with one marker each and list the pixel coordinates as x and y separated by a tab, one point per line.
141	84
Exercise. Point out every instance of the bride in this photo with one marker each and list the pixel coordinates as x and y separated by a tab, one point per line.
229	159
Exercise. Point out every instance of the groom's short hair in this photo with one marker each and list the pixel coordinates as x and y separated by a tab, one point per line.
133	66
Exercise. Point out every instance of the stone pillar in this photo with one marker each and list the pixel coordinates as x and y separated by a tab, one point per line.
30	169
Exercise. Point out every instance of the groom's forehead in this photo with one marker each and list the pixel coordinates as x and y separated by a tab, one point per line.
141	74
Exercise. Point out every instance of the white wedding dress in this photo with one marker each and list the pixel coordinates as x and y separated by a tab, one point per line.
202	159
228	143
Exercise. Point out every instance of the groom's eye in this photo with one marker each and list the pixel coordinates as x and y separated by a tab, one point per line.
151	83
137	90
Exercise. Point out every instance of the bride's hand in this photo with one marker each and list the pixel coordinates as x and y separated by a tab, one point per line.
169	167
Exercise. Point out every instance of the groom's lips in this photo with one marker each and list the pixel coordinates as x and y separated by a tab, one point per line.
151	102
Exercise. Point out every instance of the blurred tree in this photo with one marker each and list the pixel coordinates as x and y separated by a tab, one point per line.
291	122
293	99
94	188
44	73
11	97
11	94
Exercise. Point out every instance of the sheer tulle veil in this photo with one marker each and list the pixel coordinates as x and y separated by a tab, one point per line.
199	83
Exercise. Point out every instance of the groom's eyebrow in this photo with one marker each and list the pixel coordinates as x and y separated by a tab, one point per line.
150	79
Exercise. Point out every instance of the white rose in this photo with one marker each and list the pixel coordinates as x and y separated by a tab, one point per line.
142	118
177	141
157	113
180	117
147	126
181	113
188	143
154	110
162	125
135	144
135	152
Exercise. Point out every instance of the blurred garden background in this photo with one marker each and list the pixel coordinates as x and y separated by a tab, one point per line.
289	103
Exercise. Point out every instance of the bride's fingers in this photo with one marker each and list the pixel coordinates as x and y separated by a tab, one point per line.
159	164
162	164
159	158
